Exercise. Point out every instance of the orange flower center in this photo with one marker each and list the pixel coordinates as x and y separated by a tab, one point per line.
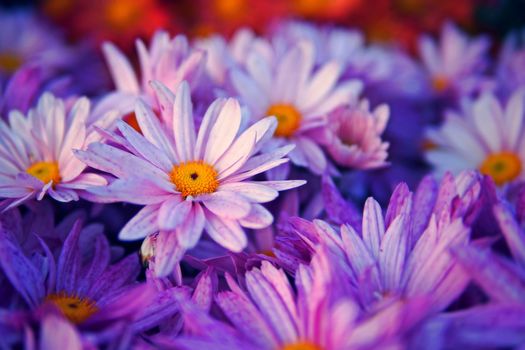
45	172
74	308
503	167
301	345
440	83
194	178
309	7
288	118
10	62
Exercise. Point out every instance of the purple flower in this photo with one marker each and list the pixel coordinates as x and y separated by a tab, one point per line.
190	181
36	153
455	64
289	87
80	284
269	314
168	60
487	135
404	253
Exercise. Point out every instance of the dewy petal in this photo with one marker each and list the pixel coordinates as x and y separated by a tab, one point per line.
183	125
225	232
227	204
144	223
121	71
223	131
392	253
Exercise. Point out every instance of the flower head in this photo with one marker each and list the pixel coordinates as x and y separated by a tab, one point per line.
37	153
167	60
190	181
456	64
287	86
488	136
354	136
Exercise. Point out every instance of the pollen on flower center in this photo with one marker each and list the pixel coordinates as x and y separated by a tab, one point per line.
288	118
301	345
9	62
502	167
45	172
194	178
440	83
74	308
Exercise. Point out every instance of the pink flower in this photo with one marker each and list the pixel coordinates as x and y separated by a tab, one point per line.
354	136
167	60
190	181
36	156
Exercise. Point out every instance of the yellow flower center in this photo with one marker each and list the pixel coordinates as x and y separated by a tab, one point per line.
288	118
301	345
122	13
194	178
440	83
502	167
45	172
9	62
74	308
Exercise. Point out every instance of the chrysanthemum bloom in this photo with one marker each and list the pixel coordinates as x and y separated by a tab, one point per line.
288	87
36	153
190	181
23	39
168	60
83	286
406	252
500	322
353	136
269	314
456	64
487	136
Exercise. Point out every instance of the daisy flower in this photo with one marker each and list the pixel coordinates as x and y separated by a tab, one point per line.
80	285
23	39
487	136
270	314
36	153
353	136
168	60
288	87
455	65
404	253
190	181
